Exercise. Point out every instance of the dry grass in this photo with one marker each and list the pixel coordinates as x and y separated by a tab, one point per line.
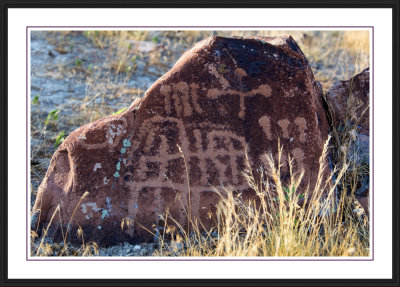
323	225
39	247
277	226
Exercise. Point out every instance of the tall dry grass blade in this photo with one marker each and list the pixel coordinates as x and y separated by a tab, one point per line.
73	214
46	230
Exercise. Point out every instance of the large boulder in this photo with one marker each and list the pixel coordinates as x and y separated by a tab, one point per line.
189	135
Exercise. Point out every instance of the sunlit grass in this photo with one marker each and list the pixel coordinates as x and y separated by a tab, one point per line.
277	225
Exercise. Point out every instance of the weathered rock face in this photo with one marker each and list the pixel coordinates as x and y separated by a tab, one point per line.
351	97
224	98
349	101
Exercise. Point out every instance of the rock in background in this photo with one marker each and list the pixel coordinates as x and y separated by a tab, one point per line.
349	107
223	99
349	100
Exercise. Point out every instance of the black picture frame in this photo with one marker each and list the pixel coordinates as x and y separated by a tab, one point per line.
394	5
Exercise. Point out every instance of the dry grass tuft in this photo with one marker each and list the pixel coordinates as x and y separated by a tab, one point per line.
278	226
40	247
323	225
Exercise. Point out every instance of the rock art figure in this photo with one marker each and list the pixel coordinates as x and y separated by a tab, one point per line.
188	135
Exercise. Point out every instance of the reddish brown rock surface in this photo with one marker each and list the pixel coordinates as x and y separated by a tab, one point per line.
351	97
223	98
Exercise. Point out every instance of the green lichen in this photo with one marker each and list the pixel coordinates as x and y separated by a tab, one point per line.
126	143
104	214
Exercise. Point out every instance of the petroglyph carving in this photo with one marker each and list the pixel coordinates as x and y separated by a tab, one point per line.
109	137
194	90
224	100
222	80
183	89
181	94
264	90
177	103
240	73
284	124
166	91
185	97
197	136
302	125
221	149
265	123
